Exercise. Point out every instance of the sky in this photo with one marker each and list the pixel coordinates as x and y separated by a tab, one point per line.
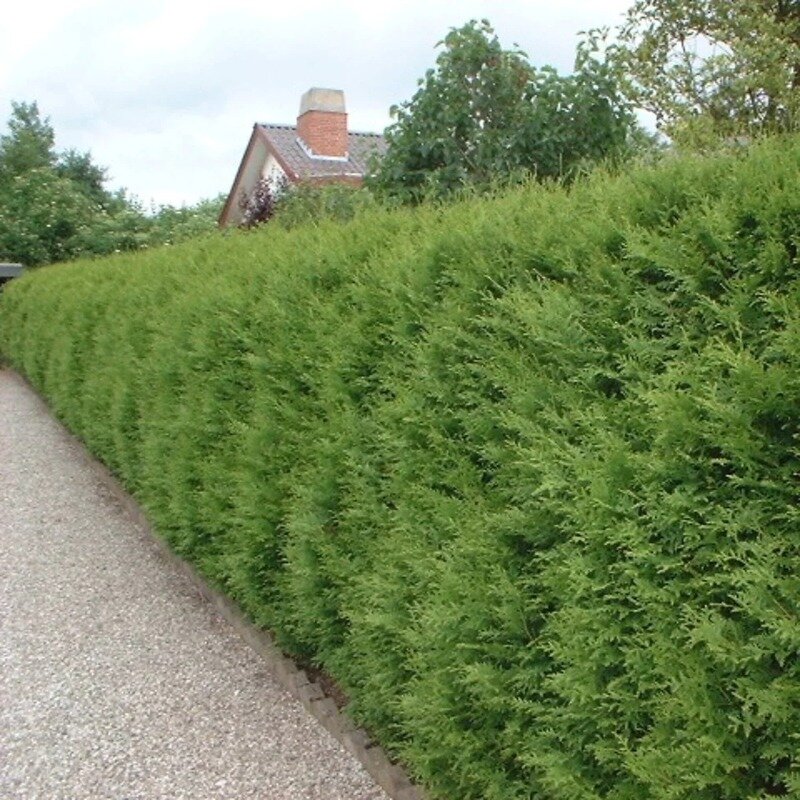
165	93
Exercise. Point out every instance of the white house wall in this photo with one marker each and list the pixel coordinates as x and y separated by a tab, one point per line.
251	174
273	172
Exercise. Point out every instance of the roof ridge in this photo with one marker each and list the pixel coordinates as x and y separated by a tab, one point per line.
289	127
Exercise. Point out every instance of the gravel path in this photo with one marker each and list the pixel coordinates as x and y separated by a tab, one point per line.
116	679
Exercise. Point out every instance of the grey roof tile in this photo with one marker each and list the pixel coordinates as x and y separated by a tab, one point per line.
360	146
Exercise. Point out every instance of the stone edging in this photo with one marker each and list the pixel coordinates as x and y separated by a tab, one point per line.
390	777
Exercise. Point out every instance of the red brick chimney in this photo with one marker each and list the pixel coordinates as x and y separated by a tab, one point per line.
322	123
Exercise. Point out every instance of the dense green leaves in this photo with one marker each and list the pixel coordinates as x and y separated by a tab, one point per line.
521	472
43	218
711	69
310	204
486	115
55	206
28	145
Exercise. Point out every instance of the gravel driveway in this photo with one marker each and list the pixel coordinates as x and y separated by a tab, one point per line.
116	679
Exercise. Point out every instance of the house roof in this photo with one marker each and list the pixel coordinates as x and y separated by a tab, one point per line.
296	159
297	162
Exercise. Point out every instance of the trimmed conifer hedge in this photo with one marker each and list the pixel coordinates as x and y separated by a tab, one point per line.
522	473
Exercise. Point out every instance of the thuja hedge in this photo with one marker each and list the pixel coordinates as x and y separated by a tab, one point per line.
521	473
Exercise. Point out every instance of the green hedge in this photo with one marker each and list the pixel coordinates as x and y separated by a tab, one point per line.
522	473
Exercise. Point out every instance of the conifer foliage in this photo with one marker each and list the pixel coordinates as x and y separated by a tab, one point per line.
522	473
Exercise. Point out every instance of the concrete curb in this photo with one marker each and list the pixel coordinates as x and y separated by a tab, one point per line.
390	777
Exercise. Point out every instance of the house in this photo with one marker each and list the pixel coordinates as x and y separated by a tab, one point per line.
319	149
9	271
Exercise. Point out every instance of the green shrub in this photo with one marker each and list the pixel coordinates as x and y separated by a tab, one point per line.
521	473
310	203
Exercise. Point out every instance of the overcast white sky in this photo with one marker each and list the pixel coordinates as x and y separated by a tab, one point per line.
165	93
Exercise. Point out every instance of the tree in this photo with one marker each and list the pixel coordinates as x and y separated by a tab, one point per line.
43	218
172	224
55	206
29	144
485	113
711	69
85	174
43	214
